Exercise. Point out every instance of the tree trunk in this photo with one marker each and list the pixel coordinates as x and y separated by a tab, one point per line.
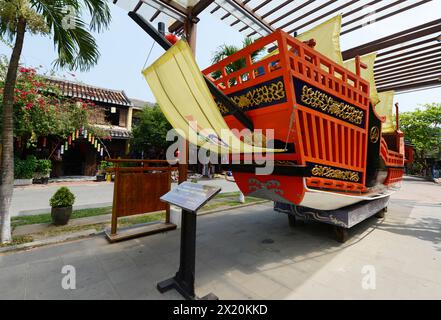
7	161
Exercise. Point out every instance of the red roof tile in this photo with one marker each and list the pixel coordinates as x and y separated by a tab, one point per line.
84	91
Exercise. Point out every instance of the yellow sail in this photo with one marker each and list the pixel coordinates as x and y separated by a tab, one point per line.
385	109
367	74
327	37
186	101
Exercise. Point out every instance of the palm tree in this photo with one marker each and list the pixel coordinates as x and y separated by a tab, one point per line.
225	51
76	48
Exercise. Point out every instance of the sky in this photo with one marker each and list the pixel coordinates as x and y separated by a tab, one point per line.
124	49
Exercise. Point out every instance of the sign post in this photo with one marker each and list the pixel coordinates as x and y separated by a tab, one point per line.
190	197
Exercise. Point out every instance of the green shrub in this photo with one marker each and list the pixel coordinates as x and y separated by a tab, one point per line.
43	166
62	198
104	165
24	169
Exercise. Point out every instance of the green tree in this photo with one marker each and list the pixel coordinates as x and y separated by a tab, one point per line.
76	48
423	128
224	51
149	134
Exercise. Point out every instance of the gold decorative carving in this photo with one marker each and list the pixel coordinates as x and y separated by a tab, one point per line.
222	108
320	100
374	134
327	172
255	97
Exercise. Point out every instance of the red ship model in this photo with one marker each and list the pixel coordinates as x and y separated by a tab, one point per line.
337	154
338	166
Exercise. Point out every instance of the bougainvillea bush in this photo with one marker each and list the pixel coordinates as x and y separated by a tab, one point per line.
41	110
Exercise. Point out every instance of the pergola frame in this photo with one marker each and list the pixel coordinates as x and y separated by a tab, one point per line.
405	60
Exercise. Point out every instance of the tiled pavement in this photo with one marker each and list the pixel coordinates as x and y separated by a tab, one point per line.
250	253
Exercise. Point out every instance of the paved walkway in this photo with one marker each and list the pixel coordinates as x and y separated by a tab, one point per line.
252	253
35	199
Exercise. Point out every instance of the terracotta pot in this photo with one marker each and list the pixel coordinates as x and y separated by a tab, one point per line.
61	215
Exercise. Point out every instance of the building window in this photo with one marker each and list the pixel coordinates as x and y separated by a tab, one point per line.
113	117
135	121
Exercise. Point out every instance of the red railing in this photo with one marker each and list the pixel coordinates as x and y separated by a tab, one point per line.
325	74
391	158
302	61
319	138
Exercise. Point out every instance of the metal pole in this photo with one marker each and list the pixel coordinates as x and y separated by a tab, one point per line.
190	29
183	281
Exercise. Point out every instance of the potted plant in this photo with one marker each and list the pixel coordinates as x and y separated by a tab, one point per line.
61	203
24	171
102	170
42	171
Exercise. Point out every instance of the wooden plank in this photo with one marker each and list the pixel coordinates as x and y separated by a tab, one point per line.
138	231
114	224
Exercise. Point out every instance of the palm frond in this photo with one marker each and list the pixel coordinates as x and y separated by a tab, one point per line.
223	52
76	47
100	12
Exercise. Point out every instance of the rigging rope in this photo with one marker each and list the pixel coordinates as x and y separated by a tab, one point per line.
148	56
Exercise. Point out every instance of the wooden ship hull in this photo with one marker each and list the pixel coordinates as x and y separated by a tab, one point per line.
322	115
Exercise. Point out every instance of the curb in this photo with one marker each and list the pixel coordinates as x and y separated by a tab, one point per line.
24	213
51	240
93	232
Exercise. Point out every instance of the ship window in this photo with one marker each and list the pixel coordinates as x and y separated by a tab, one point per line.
324	67
246	76
274	65
216	75
235	65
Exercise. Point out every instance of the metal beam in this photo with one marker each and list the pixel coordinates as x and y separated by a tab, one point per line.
410	62
410	86
282	5
398	34
215	91
370	14
194	12
419	70
408	54
395	39
155	15
324	15
418	66
260	6
392	61
401	48
294	10
247	12
151	31
377	19
173	5
418	89
415	77
229	13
